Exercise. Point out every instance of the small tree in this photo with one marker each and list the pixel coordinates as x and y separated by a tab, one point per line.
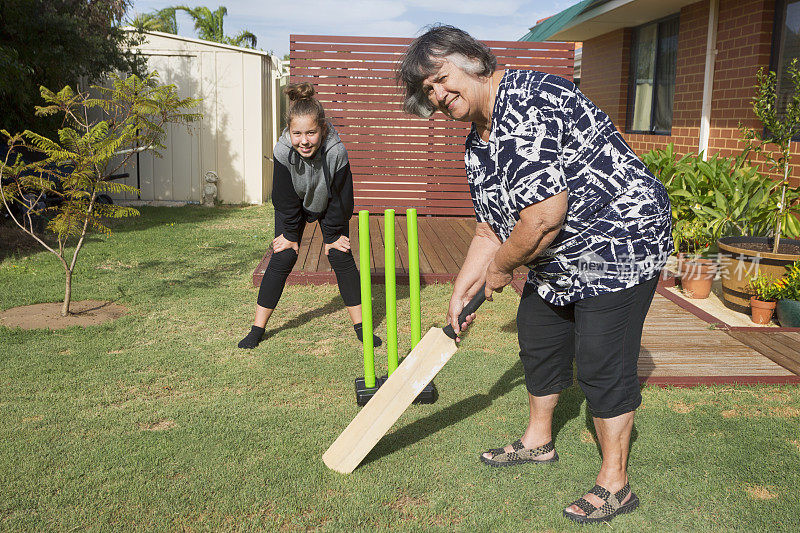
778	130
130	117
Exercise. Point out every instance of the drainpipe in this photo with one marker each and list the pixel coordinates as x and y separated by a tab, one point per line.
708	80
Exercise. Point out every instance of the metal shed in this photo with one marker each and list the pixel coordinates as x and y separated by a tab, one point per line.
239	88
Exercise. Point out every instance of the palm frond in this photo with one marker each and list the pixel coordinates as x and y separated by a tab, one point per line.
243	38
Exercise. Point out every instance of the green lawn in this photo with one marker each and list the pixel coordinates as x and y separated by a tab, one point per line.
158	422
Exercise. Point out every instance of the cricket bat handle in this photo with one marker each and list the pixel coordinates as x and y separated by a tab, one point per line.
470	308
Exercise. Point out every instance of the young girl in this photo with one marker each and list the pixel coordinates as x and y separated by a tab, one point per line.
311	181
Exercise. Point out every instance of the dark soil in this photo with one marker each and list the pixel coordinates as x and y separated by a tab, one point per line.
784	248
48	316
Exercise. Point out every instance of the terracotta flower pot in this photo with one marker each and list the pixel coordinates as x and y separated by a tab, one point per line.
696	276
761	312
789	313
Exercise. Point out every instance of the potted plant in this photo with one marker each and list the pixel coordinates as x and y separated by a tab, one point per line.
764	299
746	254
695	269
788	295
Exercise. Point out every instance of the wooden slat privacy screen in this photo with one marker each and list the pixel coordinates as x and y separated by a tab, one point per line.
398	160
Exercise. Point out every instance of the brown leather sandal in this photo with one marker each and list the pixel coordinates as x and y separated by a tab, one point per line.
611	508
519	455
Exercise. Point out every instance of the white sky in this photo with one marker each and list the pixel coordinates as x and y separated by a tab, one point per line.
272	21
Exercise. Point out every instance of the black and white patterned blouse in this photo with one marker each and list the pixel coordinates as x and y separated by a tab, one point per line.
547	137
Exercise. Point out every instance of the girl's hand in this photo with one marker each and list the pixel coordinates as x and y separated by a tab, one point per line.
281	243
342	244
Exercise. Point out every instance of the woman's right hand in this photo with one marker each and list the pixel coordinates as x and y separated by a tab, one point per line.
281	243
458	301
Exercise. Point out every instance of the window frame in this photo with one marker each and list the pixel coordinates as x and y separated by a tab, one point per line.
777	34
632	75
774	54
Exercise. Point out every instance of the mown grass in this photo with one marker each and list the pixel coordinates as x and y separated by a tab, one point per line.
158	422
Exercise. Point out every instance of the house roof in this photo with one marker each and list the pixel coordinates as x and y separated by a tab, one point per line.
551	25
591	18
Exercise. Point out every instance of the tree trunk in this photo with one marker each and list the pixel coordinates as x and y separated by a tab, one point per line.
778	228
67	294
777	242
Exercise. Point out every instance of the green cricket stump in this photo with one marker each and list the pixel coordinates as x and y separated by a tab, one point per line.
367	386
390	279
413	276
429	394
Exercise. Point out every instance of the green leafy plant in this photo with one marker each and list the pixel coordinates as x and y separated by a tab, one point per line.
774	141
763	287
692	238
788	286
129	117
663	165
727	196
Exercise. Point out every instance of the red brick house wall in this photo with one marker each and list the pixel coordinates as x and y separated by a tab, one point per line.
604	66
744	43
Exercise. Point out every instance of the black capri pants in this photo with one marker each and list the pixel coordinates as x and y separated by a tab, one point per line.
602	334
281	264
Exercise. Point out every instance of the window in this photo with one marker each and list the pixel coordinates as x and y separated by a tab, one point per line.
786	47
652	77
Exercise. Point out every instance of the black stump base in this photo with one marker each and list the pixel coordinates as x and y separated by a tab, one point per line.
363	393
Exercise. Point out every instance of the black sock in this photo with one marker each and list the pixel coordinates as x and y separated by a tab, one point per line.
253	338
376	341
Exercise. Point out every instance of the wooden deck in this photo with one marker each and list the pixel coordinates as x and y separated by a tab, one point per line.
443	244
781	347
678	347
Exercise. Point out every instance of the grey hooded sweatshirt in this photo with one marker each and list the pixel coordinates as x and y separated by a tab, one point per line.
304	190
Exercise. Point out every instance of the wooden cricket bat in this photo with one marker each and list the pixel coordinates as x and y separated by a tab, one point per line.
396	394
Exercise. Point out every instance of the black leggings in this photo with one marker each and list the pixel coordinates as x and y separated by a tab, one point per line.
281	264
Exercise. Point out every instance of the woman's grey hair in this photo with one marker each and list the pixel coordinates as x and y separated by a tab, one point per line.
427	53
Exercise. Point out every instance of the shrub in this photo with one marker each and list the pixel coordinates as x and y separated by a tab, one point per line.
788	287
728	196
763	287
692	237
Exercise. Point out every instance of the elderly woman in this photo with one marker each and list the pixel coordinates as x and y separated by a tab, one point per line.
555	187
